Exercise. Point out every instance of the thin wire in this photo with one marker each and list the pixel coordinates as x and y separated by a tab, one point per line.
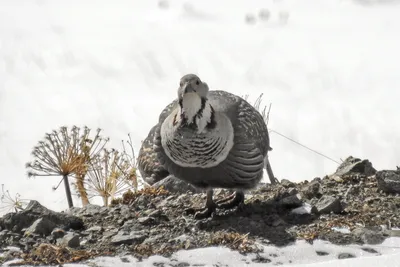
312	150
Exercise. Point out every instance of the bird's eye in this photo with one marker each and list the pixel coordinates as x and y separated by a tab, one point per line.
197	82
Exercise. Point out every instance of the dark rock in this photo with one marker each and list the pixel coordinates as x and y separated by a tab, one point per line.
132	238
286	183
370	250
42	226
261	259
355	165
95	229
88	210
3	235
328	204
34	210
175	185
371	237
146	220
57	233
312	190
71	240
388	181
345	255
292	201
321	253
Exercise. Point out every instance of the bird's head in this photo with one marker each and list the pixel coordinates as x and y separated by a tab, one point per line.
190	85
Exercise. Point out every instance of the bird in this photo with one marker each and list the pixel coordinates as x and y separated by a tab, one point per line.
148	164
212	139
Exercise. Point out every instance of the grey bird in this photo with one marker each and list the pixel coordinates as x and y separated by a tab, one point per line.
212	139
148	164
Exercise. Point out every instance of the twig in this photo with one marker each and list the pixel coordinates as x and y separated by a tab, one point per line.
312	150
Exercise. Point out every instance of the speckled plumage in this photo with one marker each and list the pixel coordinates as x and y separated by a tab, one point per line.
243	167
212	139
148	164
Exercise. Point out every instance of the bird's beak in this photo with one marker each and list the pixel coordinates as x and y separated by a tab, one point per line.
187	88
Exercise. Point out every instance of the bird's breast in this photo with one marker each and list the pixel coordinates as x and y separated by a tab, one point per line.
188	148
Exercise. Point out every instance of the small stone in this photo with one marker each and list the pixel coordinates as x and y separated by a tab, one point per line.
321	253
286	183
181	238
110	232
94	229
355	165
57	233
181	264
312	190
152	239
146	220
328	204
91	210
388	181
292	191
370	250
368	236
42	226
132	238
292	201
70	240
345	255
261	259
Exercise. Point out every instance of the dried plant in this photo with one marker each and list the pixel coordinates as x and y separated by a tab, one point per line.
9	203
110	175
257	104
130	159
65	153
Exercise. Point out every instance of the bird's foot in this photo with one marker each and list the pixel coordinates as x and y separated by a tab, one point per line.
206	213
202	213
236	201
226	199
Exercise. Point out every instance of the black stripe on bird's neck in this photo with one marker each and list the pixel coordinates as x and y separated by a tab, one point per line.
212	123
199	114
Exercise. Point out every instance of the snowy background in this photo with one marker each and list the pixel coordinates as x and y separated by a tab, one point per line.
330	69
331	72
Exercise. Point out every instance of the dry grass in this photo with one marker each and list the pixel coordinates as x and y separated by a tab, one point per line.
235	241
54	255
111	174
9	203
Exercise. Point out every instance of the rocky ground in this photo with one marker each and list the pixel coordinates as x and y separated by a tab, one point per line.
357	204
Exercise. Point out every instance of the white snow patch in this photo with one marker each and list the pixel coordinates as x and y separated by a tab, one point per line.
299	254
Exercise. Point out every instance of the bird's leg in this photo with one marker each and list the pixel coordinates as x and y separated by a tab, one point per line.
209	208
238	199
268	168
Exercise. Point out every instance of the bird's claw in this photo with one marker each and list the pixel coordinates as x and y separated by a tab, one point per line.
206	213
235	201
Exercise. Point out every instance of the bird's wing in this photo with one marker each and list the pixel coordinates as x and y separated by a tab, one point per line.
167	110
247	122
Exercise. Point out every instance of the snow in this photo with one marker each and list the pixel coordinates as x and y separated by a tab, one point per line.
299	254
329	68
